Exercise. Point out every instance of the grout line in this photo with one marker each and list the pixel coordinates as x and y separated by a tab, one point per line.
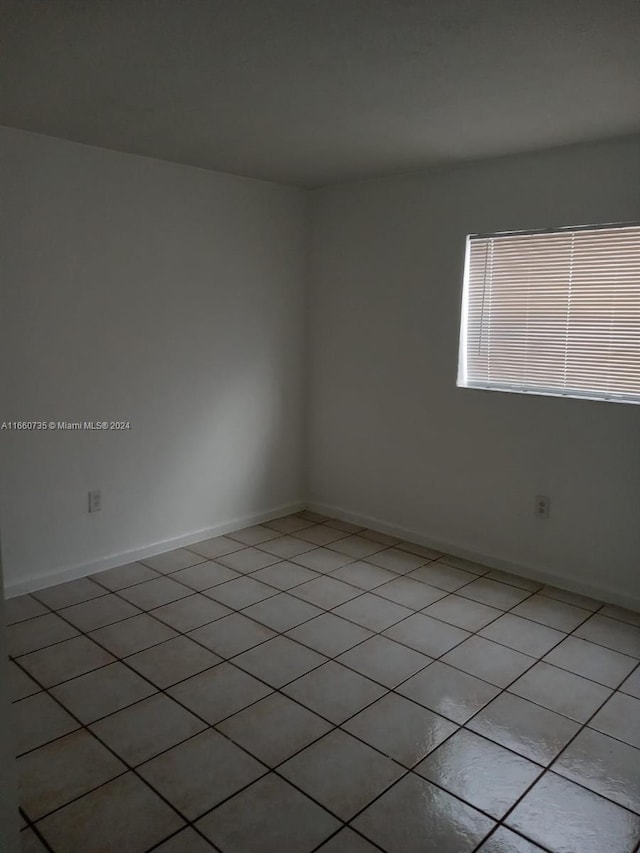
352	829
195	829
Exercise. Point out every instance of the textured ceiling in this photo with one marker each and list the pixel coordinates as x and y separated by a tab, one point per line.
317	91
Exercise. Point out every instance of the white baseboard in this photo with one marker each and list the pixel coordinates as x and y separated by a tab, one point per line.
601	592
82	570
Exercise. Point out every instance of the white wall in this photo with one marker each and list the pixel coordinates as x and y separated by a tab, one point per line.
167	296
393	439
174	298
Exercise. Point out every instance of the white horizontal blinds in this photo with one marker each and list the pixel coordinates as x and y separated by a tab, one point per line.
555	312
604	323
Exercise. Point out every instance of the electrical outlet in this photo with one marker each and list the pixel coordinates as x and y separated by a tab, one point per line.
542	506
95	500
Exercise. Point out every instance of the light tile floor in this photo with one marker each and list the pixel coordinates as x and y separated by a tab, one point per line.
307	685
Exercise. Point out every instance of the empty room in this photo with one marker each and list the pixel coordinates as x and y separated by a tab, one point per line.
320	426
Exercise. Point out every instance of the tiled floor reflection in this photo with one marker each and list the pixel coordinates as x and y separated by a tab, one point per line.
306	685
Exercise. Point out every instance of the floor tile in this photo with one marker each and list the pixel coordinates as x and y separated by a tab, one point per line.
323	560
186	614
523	635
415	816
384	661
285	575
219	692
20	684
172	661
329	634
132	635
187	841
155	593
65	660
21	608
357	547
410	593
480	772
503	840
59	772
420	550
274	728
400	729
279	661
231	635
286	547
462	612
334	692
102	692
632	684
613	634
348	841
493	593
204	575
606	766
427	635
326	592
514	580
219	546
531	731
363	575
201	772
72	592
90	615
449	692
171	561
282	612
571	598
548	611
489	661
415	727
248	560
254	535
341	773
25	637
372	612
620	718
241	592
39	720
632	617
442	576
282	819
320	535
123	576
395	560
466	565
30	843
574	819
288	524
560	691
147	728
125	814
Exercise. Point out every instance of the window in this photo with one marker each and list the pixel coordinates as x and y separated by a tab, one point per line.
553	312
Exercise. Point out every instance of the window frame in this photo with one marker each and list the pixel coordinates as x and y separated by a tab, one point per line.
462	380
